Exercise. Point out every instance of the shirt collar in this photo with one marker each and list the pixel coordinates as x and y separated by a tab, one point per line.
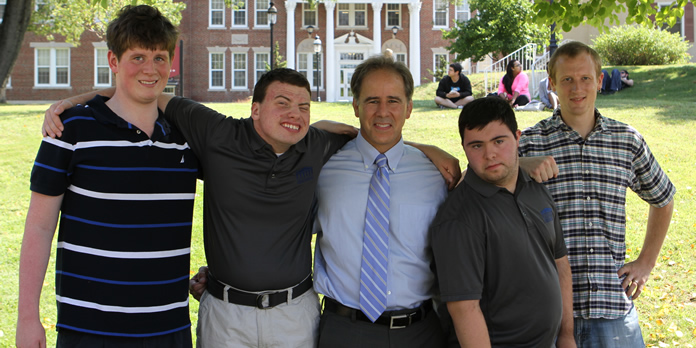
105	115
487	189
369	153
600	122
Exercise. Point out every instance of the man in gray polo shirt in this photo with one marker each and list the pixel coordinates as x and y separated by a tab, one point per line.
498	245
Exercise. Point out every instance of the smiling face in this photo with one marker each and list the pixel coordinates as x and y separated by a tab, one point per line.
382	108
141	74
576	83
282	118
492	153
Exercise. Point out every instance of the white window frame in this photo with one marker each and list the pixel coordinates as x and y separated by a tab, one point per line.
259	64
216	10
462	10
52	66
100	48
396	10
310	70
261	12
242	14
235	69
437	10
436	59
401	57
307	9
679	23
3	4
351	15
216	52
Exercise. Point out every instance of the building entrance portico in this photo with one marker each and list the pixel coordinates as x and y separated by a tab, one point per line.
351	50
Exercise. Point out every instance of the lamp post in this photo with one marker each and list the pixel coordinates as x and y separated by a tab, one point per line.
395	30
272	17
310	30
552	42
317	50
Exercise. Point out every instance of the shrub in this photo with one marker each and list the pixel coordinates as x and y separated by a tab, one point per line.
639	45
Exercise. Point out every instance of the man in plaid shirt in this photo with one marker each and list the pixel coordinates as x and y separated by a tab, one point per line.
596	159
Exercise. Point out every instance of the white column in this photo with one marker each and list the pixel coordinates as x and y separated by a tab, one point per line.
290	33
414	58
331	72
377	32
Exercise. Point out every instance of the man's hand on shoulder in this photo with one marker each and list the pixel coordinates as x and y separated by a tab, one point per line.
52	126
539	168
336	127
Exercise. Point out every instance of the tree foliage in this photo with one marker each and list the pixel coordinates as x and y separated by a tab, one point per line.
500	27
71	18
639	45
601	14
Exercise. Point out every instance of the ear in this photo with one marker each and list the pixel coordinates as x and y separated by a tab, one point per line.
355	108
409	108
518	134
599	81
552	83
113	61
255	111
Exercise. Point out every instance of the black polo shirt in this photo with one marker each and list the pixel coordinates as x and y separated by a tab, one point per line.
500	248
257	205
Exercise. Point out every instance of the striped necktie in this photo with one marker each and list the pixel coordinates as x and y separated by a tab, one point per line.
373	270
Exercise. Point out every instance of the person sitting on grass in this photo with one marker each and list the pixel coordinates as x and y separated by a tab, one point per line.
454	90
615	82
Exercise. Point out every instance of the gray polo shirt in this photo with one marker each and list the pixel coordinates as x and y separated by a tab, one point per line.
500	248
257	206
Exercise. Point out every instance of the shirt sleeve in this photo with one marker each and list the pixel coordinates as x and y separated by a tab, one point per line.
649	180
544	94
442	89
521	84
460	253
501	87
466	89
195	121
53	165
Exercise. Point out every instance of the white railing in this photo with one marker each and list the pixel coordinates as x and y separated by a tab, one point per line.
494	72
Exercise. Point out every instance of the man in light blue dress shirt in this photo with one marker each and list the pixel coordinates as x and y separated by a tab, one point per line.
383	91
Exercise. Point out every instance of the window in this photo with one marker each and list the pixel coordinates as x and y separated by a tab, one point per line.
462	11
239	13
262	12
352	15
309	15
400	57
102	72
239	70
393	15
217	14
3	3
217	70
307	66
440	13
261	60
440	65
677	28
52	67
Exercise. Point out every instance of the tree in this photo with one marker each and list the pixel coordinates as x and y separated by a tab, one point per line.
500	27
602	13
14	24
67	18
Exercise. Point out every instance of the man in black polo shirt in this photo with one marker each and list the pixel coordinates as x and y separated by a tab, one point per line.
498	245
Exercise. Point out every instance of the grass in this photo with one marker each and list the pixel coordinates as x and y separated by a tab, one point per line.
661	106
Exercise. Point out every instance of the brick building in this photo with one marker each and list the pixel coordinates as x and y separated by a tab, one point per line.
225	50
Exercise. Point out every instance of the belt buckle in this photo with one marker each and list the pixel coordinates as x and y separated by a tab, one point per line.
401	316
260	297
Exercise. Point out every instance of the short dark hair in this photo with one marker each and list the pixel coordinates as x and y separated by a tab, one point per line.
480	112
283	75
141	26
381	62
456	67
572	50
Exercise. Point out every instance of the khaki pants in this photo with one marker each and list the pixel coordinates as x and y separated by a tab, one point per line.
294	324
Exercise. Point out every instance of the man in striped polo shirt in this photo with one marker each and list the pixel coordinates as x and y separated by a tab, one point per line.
597	159
123	181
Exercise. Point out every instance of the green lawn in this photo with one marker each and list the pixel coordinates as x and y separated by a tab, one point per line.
661	106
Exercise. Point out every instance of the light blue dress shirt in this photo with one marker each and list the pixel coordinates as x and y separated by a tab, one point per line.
417	190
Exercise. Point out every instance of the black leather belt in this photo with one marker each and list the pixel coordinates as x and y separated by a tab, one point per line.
394	319
262	299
